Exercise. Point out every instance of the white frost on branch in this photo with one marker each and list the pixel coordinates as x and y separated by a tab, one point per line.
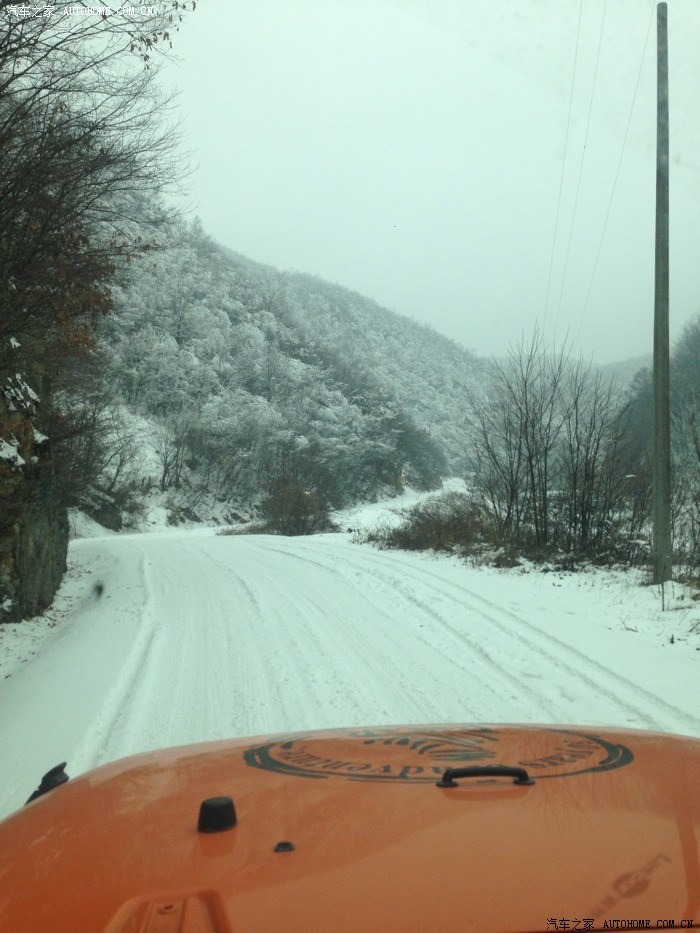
9	451
26	389
20	393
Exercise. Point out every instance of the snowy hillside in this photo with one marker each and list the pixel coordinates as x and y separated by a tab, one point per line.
250	377
181	636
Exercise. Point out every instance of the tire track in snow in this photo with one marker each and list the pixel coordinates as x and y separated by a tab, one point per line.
542	643
265	626
384	670
205	681
309	629
229	667
478	684
96	744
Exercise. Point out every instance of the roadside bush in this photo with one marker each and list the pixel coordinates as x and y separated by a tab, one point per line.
457	523
290	509
443	523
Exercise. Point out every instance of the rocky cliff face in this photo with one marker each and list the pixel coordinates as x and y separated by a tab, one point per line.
40	549
33	517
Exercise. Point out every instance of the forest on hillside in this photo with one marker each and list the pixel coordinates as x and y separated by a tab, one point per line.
253	378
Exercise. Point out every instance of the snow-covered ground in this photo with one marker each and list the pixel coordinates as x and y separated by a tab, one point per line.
196	636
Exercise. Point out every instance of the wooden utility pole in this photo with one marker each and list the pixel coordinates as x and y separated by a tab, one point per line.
662	417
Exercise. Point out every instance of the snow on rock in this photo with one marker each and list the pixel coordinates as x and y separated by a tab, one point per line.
158	516
82	526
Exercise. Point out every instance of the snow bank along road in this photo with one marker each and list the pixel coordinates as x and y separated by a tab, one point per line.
197	636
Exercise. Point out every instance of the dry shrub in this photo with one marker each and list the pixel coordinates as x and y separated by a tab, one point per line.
290	509
443	523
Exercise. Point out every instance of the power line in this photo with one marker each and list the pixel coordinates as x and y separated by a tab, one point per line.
563	165
583	158
617	173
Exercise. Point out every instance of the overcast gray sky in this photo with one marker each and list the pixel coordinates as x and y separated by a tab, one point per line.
412	150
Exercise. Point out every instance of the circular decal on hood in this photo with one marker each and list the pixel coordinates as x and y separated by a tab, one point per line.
415	754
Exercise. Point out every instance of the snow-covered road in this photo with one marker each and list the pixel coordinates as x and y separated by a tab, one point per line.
197	636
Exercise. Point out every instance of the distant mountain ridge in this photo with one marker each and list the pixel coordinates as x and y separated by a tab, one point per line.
624	371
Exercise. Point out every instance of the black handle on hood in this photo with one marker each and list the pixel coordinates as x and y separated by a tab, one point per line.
520	774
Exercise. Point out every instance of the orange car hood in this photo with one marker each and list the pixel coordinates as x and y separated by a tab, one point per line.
609	829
